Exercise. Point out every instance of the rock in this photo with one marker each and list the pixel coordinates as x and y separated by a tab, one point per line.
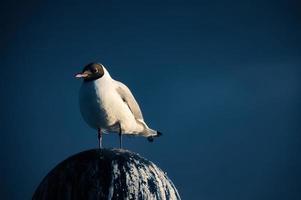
106	174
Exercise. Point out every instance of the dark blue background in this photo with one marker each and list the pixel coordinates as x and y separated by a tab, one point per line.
220	79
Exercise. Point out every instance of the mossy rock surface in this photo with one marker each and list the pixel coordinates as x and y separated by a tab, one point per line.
106	174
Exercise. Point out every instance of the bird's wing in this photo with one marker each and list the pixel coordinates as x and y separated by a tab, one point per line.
129	99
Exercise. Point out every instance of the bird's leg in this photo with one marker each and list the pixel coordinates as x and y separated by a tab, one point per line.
99	134
120	137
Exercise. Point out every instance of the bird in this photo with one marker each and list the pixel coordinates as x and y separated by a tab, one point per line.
109	106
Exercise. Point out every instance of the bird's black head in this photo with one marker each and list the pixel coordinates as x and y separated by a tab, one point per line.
91	72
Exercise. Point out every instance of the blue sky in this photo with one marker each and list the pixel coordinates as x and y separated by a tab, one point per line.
220	79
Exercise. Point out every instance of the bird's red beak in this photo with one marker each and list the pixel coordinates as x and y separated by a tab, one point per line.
81	75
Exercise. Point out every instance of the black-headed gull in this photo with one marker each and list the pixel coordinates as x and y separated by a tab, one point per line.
108	105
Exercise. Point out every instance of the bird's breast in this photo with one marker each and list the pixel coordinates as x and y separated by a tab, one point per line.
95	105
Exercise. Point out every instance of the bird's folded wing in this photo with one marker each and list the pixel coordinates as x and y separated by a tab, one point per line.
129	99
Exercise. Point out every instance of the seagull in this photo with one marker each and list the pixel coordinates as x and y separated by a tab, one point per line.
109	106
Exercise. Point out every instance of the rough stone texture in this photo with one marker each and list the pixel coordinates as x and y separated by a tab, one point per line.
106	174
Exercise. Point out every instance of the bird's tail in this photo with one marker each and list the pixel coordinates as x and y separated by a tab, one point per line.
151	138
149	133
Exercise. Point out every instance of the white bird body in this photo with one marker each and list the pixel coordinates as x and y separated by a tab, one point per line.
109	105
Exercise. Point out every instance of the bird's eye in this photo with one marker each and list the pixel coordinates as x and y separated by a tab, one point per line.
95	70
